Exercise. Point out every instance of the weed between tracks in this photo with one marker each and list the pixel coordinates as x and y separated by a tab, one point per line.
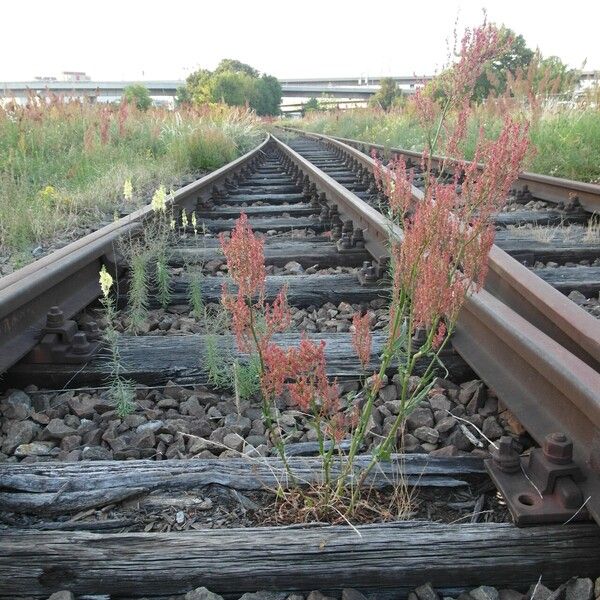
442	259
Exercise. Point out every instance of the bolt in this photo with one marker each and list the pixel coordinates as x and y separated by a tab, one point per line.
558	448
368	271
80	344
92	330
358	238
505	457
55	318
346	241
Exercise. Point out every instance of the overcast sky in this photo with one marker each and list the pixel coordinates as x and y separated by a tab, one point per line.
131	39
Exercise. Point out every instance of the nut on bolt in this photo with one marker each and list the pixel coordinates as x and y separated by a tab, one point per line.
55	317
558	448
505	457
368	271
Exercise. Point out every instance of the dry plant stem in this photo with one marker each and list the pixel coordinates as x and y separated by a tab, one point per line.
266	403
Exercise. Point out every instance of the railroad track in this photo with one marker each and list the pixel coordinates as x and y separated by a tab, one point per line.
536	349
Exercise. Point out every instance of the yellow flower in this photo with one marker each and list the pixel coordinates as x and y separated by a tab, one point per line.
184	219
194	222
159	200
48	193
127	190
106	281
172	223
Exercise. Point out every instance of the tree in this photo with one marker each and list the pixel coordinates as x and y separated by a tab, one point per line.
229	88
517	57
268	96
235	84
183	96
235	66
137	94
311	105
387	93
553	76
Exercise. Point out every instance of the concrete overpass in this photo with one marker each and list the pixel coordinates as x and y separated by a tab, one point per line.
336	87
342	88
20	89
401	80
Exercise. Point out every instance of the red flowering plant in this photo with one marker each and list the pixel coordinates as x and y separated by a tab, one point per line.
439	249
299	372
443	235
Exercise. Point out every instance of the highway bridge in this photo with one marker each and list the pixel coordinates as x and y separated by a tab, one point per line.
356	88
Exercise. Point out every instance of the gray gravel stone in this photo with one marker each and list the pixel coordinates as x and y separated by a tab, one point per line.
233	441
388	393
420	417
445	424
19	432
439	402
538	591
491	429
57	430
580	589
202	593
149	427
237	424
484	592
34	449
62	595
264	595
460	440
96	453
17	405
427	434
352	594
426	592
293	267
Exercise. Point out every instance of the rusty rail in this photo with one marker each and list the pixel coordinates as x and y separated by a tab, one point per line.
532	345
537	349
68	278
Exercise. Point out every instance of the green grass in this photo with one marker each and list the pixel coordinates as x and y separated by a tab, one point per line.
566	141
63	165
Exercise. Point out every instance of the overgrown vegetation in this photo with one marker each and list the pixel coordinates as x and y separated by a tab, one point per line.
519	83
387	95
63	164
137	95
233	83
441	259
565	137
147	256
121	390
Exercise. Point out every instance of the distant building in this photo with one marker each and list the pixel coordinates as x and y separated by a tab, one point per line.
74	76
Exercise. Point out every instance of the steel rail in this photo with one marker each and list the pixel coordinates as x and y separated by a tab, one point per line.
68	277
547	385
543	187
544	383
513	283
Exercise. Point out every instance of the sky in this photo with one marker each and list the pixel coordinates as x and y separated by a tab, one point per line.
168	39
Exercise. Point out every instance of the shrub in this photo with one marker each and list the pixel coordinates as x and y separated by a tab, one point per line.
138	95
63	164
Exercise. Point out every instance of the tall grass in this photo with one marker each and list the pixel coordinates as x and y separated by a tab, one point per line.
63	164
566	138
